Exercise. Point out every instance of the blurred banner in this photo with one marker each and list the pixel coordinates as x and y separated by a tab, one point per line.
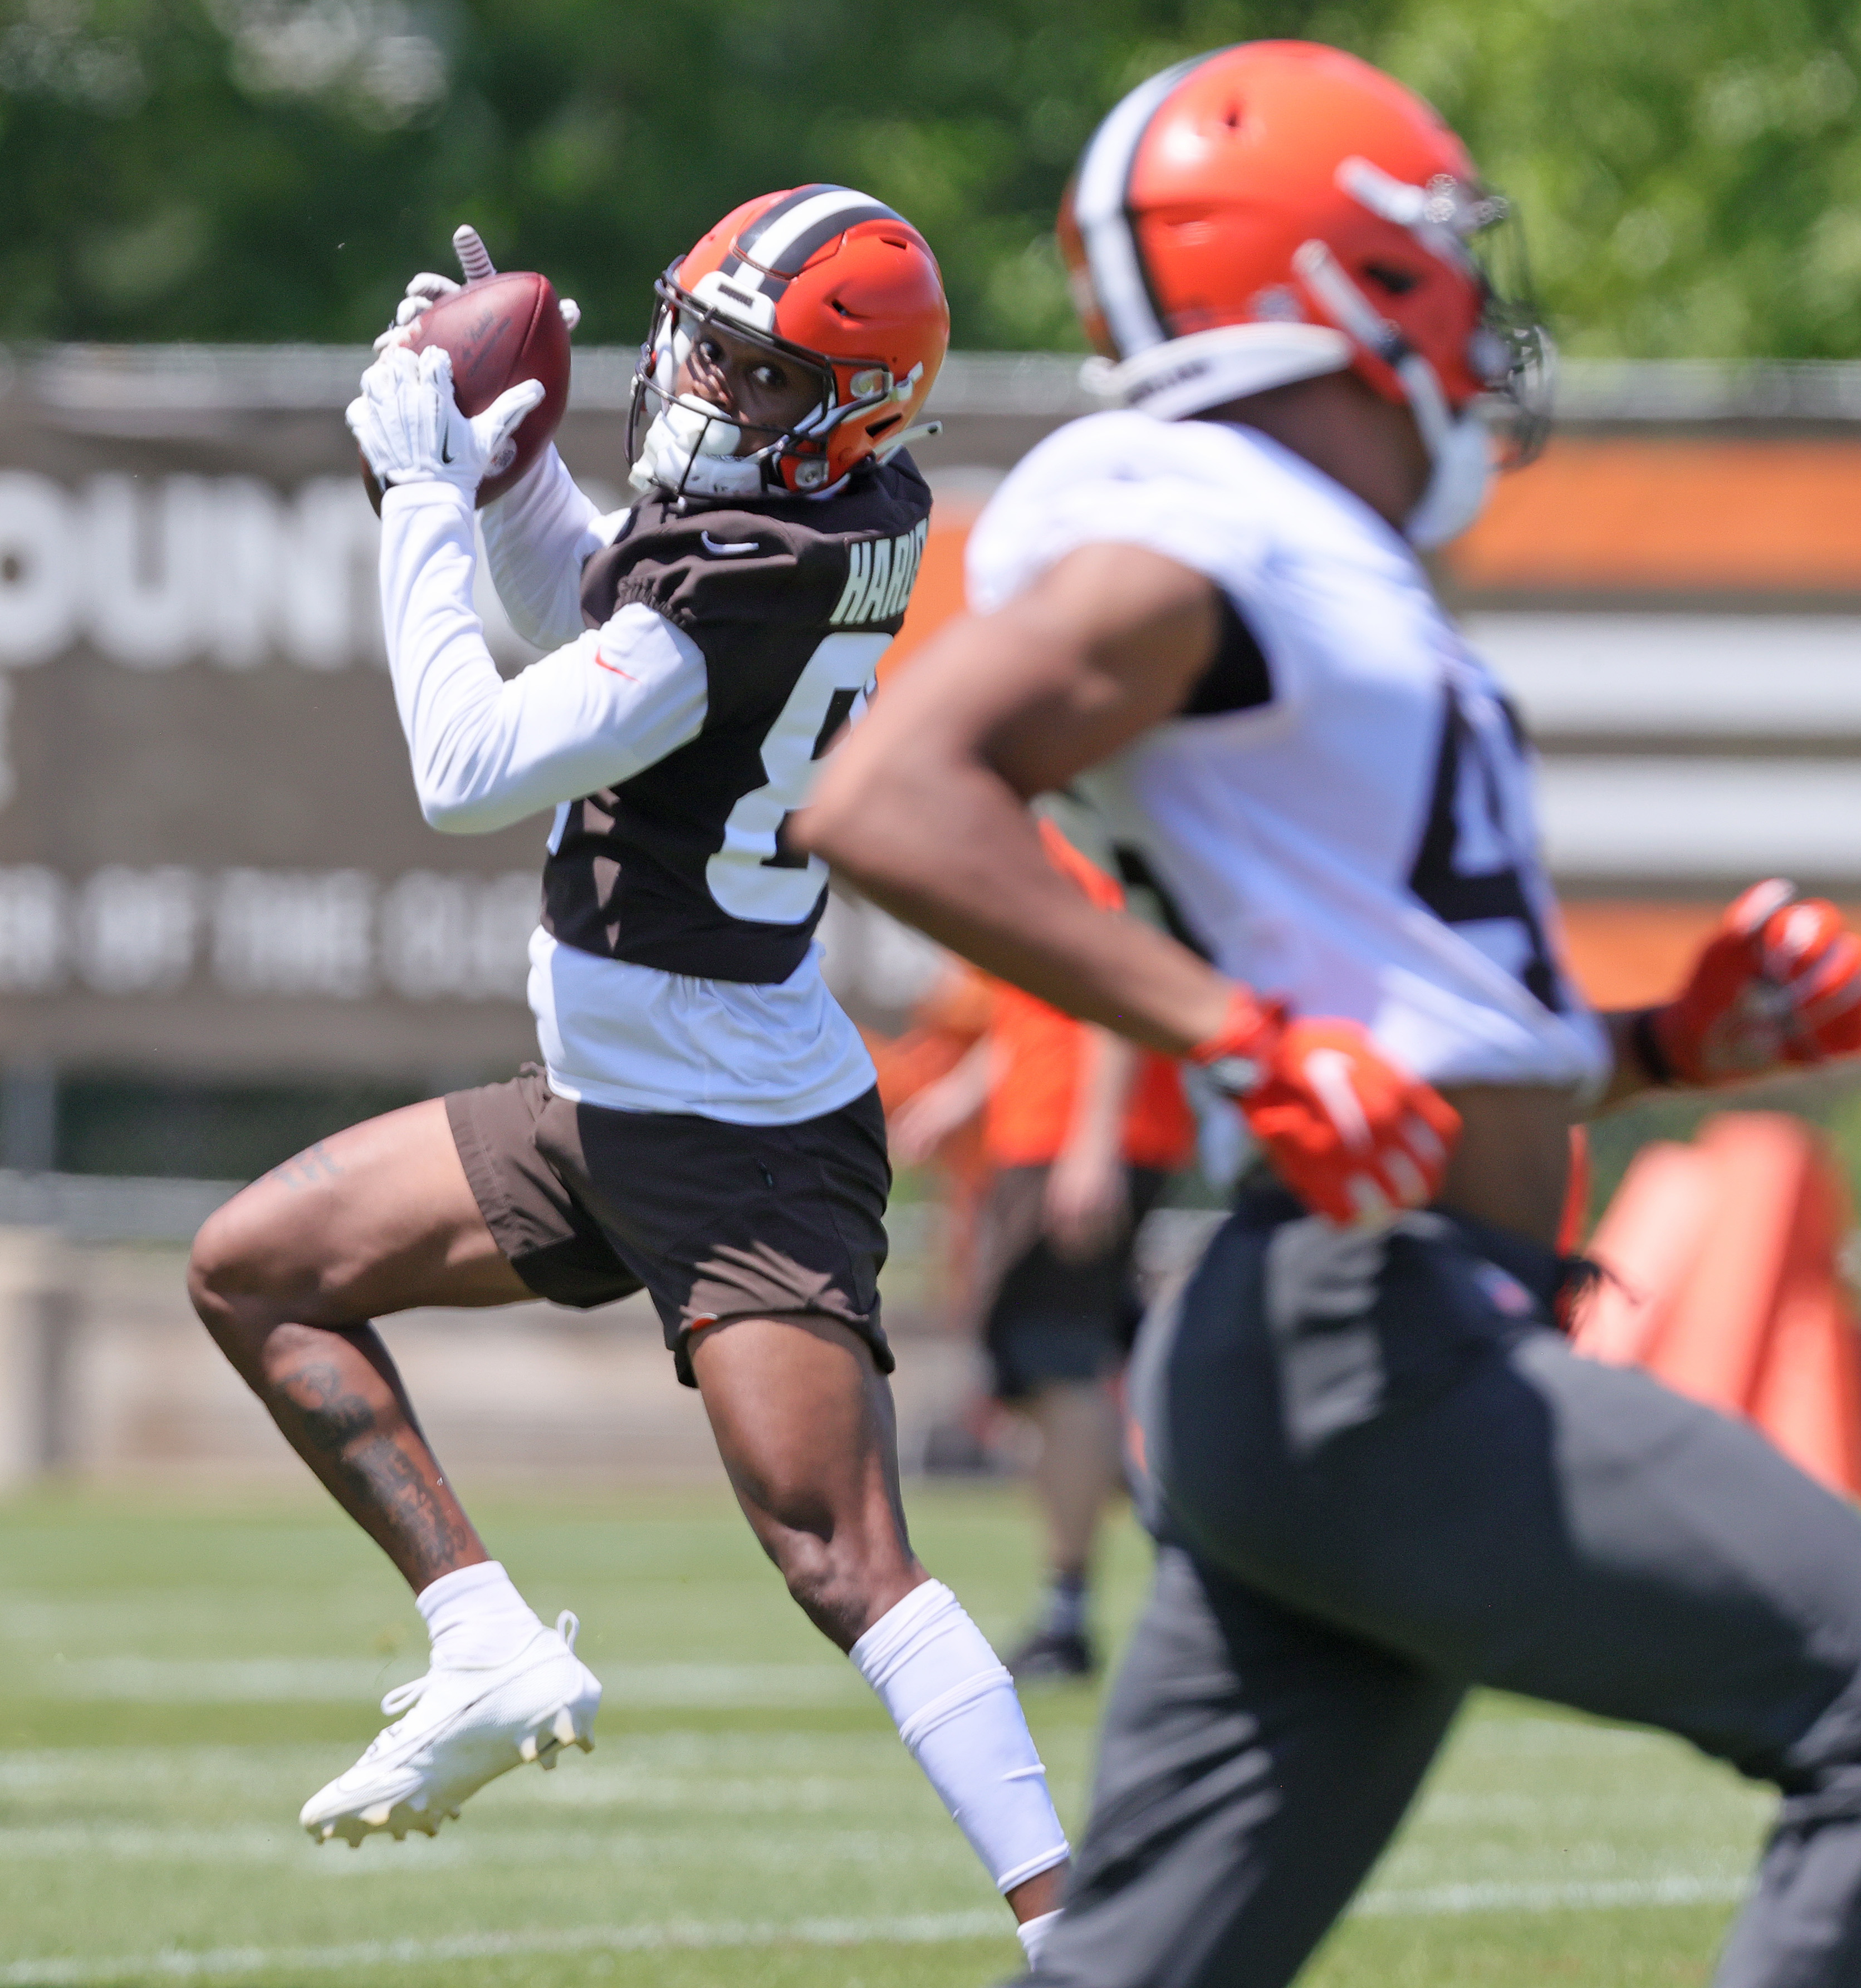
210	861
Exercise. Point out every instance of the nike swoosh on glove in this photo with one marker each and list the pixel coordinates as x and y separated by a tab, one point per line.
426	289
1779	983
1353	1135
409	427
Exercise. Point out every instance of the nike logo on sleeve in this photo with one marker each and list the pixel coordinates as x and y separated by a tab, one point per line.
727	546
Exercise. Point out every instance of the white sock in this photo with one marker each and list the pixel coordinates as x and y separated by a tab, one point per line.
476	1616
955	1708
1032	1934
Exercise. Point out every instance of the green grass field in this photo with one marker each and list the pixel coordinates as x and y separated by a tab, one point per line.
175	1678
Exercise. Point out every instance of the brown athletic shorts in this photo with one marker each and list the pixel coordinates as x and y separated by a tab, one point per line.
715	1221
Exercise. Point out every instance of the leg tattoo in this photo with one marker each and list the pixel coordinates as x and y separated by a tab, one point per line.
363	1441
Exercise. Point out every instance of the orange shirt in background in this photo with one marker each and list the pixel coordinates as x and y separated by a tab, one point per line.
1040	1053
946	1025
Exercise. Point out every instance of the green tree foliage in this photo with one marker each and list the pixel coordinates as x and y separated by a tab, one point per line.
274	169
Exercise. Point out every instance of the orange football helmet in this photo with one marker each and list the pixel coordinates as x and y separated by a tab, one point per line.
1278	209
827	279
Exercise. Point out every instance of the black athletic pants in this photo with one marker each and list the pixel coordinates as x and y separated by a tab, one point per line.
1379	1476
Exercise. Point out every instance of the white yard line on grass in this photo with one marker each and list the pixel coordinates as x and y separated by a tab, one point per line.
176	1964
335	1680
1450	1900
131	1843
661	1762
750	1847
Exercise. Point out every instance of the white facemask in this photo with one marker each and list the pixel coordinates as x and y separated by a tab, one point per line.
693	449
1456	490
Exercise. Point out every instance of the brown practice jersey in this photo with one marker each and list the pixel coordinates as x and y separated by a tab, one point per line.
686	867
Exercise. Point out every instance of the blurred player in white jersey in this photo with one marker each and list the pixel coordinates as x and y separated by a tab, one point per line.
1378	1475
704	1124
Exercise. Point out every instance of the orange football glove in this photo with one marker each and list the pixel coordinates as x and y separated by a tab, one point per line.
1352	1135
1779	983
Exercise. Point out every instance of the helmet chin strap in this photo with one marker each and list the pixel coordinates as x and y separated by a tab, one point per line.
1458	446
1456	491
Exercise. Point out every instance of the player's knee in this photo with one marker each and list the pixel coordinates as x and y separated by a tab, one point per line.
824	1586
212	1263
835	1580
226	1268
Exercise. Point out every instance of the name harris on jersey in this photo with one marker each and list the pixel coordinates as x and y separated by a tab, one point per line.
880	576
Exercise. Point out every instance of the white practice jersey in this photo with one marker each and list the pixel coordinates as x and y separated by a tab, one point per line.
1343	813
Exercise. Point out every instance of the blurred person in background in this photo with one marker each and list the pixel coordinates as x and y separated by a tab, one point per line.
1377	1474
704	1124
946	1026
1081	1130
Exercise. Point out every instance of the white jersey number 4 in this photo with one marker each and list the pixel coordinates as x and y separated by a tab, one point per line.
753	876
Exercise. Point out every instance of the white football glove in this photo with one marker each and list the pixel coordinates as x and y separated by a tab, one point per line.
409	427
426	289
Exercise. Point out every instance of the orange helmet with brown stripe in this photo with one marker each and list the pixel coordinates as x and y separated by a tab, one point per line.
1278	209
829	279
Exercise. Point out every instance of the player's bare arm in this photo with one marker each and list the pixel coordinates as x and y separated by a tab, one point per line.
924	806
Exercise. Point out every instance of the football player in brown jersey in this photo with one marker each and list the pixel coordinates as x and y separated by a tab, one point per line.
703	1122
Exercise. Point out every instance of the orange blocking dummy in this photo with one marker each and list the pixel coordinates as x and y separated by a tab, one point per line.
1723	1281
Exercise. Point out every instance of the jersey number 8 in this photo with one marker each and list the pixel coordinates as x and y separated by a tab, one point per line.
753	876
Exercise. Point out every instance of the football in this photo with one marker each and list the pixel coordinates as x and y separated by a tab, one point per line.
498	331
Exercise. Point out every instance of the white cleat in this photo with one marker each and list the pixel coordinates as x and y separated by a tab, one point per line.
466	1727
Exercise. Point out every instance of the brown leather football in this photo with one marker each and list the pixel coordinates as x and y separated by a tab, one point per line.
498	331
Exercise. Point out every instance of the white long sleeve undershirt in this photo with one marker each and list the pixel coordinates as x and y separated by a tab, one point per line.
486	752
538	537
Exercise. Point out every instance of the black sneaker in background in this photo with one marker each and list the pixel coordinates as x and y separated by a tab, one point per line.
1049	1655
